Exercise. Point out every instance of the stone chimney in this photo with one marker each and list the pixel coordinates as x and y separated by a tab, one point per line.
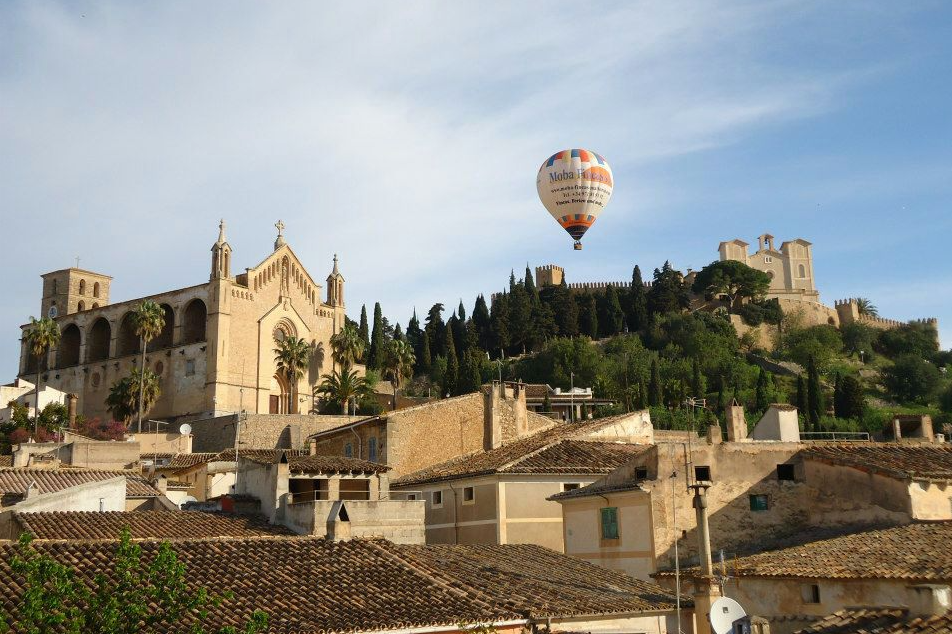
706	589
736	423
928	600
714	434
338	523
504	405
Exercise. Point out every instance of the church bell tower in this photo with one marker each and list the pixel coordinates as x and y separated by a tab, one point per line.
335	286
221	255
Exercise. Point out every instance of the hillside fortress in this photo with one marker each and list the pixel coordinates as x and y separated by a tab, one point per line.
792	282
216	351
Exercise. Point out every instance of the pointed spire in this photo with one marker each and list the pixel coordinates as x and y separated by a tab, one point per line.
221	232
335	271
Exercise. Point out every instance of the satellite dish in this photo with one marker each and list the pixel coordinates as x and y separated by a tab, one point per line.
185	429
724	613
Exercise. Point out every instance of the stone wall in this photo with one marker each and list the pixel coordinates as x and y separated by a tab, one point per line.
261	431
400	521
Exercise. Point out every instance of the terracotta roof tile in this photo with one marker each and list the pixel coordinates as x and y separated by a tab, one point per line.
189	460
905	461
6	460
76	525
261	456
309	585
557	449
914	552
14	481
334	464
879	621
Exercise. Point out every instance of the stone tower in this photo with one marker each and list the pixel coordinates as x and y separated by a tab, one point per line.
73	290
549	275
221	256
335	286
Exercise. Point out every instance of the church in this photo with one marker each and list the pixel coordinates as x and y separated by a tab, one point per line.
215	354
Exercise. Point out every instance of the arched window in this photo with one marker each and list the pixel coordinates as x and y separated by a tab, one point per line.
67	353
81	306
96	289
55	285
128	341
803	271
82	287
193	322
95	304
97	343
164	340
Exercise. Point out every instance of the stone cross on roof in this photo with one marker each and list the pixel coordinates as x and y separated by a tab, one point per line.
279	241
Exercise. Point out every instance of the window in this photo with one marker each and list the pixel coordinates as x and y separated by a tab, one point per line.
759	502
372	449
96	289
768	259
810	592
189	367
469	495
436	499
570	486
349	450
411	496
82	287
785	472
641	473
610	522
803	271
702	473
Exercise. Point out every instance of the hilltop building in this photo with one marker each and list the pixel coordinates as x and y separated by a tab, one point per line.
216	352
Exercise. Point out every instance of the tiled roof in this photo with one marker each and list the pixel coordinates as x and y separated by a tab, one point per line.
536	391
334	464
557	449
262	456
75	525
905	461
536	581
879	621
598	488
914	552
310	585
6	460
14	481
189	460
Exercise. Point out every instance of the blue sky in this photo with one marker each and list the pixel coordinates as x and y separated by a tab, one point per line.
406	138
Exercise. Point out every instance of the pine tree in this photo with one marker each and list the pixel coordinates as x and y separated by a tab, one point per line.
425	360
814	395
761	398
654	385
499	321
377	341
436	329
637	313
451	379
667	294
397	332
854	401
482	322
364	330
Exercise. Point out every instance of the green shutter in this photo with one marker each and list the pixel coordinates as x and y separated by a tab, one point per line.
610	523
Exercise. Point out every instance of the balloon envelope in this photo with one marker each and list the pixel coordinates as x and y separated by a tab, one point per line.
575	185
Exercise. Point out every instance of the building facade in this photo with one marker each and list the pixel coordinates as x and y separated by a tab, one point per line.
216	352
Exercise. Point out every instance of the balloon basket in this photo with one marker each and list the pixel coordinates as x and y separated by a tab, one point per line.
577	246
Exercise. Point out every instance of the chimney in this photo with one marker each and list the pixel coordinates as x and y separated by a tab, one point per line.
714	434
492	427
736	423
706	589
338	523
162	484
928	600
71	400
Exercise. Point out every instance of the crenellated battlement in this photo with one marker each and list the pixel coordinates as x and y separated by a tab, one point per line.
848	312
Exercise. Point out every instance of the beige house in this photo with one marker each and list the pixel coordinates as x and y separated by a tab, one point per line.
216	352
328	496
794	586
500	495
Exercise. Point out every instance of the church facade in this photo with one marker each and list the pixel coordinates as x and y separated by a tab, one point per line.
216	352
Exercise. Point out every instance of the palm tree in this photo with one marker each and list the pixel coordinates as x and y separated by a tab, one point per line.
398	364
292	357
347	347
340	387
123	398
866	307
41	335
148	319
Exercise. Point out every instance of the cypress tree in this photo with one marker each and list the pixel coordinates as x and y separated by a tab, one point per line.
461	312
482	322
838	410
377	343
801	395
637	313
721	395
520	317
469	379
546	403
760	399
654	385
530	284
451	379
641	402
814	395
854	401
499	321
588	316
436	329
364	330
415	335
611	317
425	360
697	380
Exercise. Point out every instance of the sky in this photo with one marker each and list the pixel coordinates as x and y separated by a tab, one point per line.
406	137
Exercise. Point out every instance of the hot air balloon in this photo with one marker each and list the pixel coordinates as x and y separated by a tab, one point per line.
575	185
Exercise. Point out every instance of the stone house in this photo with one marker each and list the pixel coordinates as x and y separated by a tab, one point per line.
566	405
23	392
216	352
793	586
500	495
926	612
414	438
328	496
310	585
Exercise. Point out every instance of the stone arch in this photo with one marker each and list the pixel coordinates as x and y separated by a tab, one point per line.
802	270
284	329
81	306
82	287
278	395
164	340
127	341
95	304
193	321
67	353
95	289
97	342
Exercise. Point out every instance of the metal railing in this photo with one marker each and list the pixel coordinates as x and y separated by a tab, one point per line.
847	436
